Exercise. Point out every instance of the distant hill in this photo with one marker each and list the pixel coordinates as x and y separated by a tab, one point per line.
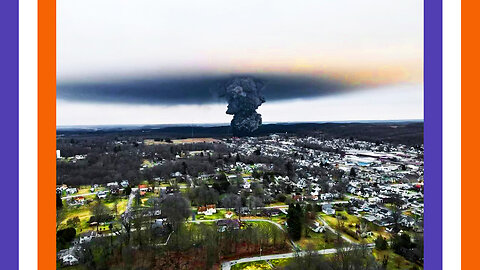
410	133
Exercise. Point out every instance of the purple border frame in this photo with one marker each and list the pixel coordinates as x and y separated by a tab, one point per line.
433	133
9	111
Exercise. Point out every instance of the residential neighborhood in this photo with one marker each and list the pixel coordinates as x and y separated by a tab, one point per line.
310	192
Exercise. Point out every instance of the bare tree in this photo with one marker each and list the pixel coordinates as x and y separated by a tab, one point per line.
176	208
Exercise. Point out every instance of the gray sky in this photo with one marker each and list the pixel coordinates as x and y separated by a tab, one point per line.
374	45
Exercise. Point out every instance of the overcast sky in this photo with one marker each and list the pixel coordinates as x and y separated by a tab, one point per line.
364	58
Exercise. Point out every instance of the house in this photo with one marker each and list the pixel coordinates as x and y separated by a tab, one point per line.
80	200
374	200
271	212
61	188
244	211
102	194
315	226
158	223
228	224
87	237
326	196
71	190
114	190
328	209
124	183
229	214
366	234
370	218
407	221
207	210
69	259
112	184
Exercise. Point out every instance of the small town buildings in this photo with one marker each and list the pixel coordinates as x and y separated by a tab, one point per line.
69	260
228	224
71	190
102	194
207	210
315	226
328	209
87	237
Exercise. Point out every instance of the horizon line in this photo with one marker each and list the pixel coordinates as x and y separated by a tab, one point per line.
228	124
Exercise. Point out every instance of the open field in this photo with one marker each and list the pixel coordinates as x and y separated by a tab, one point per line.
351	222
83	212
262	264
316	240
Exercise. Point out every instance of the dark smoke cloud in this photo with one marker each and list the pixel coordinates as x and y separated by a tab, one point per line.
194	89
244	97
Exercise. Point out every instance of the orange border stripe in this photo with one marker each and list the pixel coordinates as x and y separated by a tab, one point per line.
470	112
46	134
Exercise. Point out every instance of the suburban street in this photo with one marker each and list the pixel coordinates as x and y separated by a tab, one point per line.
229	264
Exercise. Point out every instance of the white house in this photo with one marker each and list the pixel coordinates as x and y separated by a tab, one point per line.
87	237
112	184
102	194
69	259
71	190
328	209
207	210
317	228
124	183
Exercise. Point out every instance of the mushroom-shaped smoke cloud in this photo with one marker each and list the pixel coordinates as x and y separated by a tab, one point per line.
244	97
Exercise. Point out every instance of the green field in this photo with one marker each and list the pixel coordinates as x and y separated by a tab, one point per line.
252	265
263	264
83	213
219	215
350	222
316	240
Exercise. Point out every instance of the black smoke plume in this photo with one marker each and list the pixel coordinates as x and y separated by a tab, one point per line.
244	97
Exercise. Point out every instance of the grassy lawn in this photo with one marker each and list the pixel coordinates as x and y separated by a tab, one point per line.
395	261
275	204
280	262
219	215
83	190
280	219
252	265
351	221
83	213
121	204
316	240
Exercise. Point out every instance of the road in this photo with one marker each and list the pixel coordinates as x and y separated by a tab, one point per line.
130	200
229	264
244	220
78	195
